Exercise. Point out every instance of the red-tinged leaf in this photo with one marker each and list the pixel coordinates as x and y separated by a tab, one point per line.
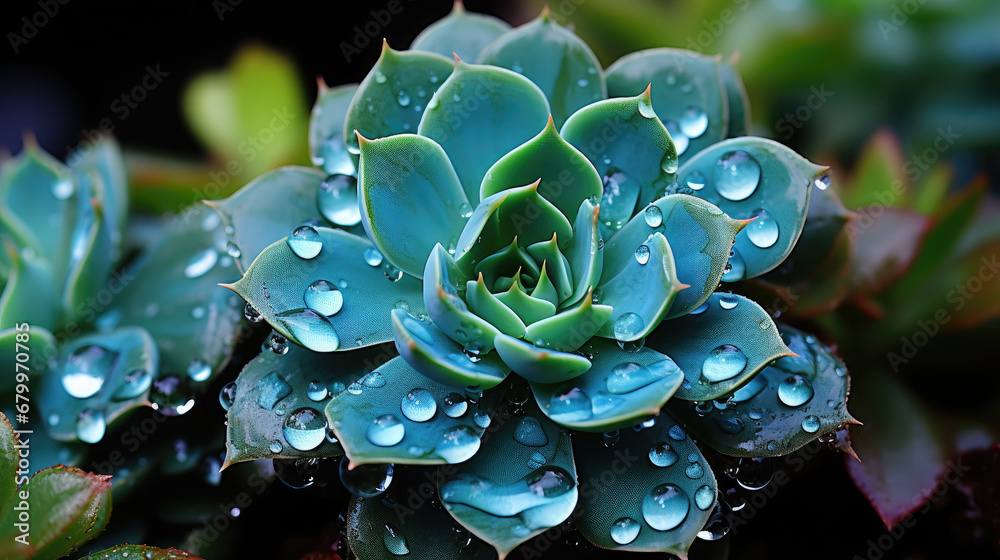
886	241
140	552
902	449
878	175
68	507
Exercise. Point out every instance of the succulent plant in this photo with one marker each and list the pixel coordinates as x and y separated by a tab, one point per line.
540	240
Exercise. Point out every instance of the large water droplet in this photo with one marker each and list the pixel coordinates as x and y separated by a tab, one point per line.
227	395
572	405
681	141
333	158
665	507
372	256
458	444
653	216
625	530
537	488
418	405
795	390
754	473
135	383
316	391
312	330
296	473
628	326
201	262
392	538
305	429
704	497
642	254
270	389
323	296
630	376
455	404
86	369
90	426
305	242
199	371
365	481
810	424
763	232
737	175
724	362
385	431
337	199
529	432
693	122
662	455
621	191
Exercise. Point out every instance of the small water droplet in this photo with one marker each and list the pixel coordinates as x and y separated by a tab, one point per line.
728	301
86	369
385	431
611	438
653	216
227	395
529	432
201	263
628	326
379	77
763	232
482	419
305	242
418	405
233	250
90	426
676	433
693	122
403	98
665	507
454	405
795	391
251	313
365	481
373	257
755	473
723	362
323	297
823	181
570	405
582	82
662	455
394	542
625	530
737	175
275	343
694	471
316	391
199	371
642	254
695	180
536	460
296	473
810	424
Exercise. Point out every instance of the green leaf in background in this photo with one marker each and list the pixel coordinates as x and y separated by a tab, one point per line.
339	299
104	158
31	295
460	32
142	552
255	107
68	508
395	415
99	378
520	484
8	464
619	390
327	141
662	493
783	407
712	349
555	59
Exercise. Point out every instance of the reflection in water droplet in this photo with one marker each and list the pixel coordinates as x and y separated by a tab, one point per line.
653	216
90	426
728	301
681	141
199	371
233	250
201	263
694	471
737	175
754	473
628	326
458	444
337	199
704	497
662	455
810	424
305	242
365	481
227	395
312	330
736	268
454	405
628	377
795	391
316	391
625	530
86	369
763	232
665	507
385	431
392	538
693	122
570	405
482	419
418	405
304	429
323	297
695	180
823	181
372	256
724	362
529	432
403	98
537	488
642	254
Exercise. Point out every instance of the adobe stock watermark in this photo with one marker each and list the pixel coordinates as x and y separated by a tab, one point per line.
713	28
32	24
371	31
901	12
790	122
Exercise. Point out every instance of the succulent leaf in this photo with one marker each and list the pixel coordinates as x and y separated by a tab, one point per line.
663	493
444	281
783	407
327	139
688	93
43	351
460	32
520	484
586	252
631	150
392	97
479	114
700	238
618	390
397	415
566	176
555	59
406	180
36	189
539	364
100	377
104	158
336	300
89	251
737	101
759	179
434	354
127	551
712	348
31	295
642	291
8	463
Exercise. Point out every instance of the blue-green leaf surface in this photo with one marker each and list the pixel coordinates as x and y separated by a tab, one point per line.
327	141
460	32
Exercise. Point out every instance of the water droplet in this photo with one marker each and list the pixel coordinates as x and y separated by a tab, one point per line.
665	507
233	250
86	369
823	181
90	426
795	390
763	232
681	141
63	189
535	489
536	460
724	362
704	497
454	405
227	395
304	429
630	376
676	433
582	82
737	175
365	481
728	301
355	389
379	77
296	473
169	397
611	438
270	389
646	108
403	98
693	122
653	216
394	542
695	180
810	424
337	199
323	297
736	268
201	263
458	444
385	431
625	530
392	273
841	371
305	242
529	432
482	419
754	473
642	254
621	191
753	388
316	391
251	313
275	343
53	419
570	405
418	405
198	370
662	455
731	425
694	471
628	326
374	380
312	330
